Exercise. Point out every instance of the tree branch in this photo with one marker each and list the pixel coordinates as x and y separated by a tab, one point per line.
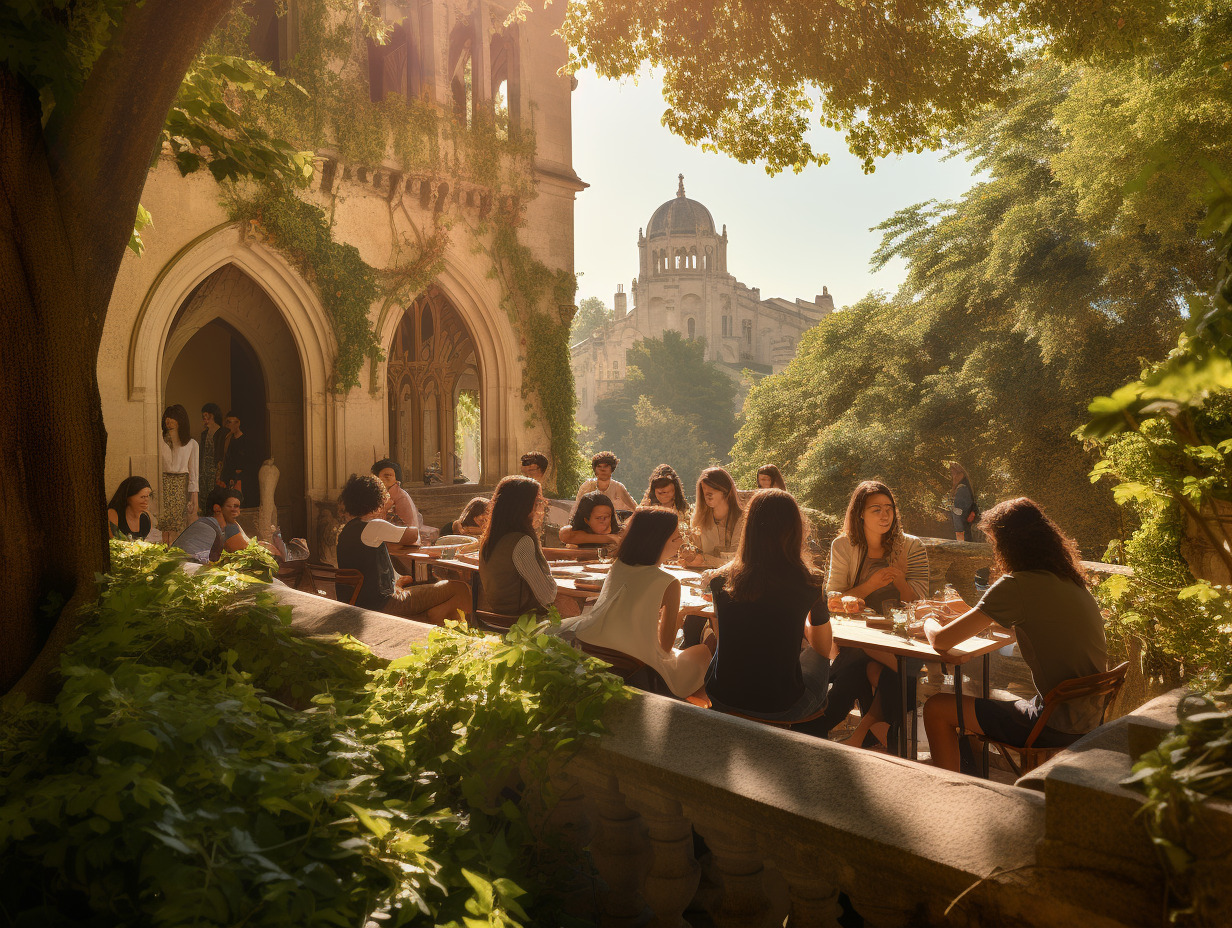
101	155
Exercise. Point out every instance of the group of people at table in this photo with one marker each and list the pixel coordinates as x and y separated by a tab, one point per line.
769	651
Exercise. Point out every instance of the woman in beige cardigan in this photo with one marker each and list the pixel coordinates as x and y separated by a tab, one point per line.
876	561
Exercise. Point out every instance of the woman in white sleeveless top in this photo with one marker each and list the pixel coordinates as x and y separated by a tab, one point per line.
638	610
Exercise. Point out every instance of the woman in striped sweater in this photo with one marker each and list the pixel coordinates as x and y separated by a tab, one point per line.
876	561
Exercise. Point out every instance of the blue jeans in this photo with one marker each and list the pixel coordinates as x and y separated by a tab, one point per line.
816	672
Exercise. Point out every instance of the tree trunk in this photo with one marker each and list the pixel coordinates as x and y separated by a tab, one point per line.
51	468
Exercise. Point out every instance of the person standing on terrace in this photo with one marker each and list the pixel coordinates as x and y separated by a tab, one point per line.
768	477
963	510
178	503
603	465
1042	596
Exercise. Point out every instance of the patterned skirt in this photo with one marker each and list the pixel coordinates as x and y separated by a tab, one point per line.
172	514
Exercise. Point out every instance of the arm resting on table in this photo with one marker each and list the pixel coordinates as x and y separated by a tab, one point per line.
956	631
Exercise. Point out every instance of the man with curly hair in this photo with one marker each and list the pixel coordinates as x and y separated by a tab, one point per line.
361	546
602	465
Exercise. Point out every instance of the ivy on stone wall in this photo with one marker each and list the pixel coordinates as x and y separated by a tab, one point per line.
334	112
345	283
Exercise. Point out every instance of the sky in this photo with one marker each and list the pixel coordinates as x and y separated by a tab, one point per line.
789	235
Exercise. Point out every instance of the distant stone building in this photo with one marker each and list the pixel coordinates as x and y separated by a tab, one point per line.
683	286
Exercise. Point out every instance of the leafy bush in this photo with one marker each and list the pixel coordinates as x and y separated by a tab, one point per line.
204	763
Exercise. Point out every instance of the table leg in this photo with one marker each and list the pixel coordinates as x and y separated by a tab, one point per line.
902	725
475	587
986	692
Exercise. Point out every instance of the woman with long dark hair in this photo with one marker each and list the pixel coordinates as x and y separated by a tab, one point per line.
638	610
472	520
963	508
1041	593
594	523
766	601
180	459
769	478
665	489
128	511
514	574
718	518
874	560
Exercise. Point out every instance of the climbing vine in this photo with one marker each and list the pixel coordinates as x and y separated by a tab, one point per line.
326	106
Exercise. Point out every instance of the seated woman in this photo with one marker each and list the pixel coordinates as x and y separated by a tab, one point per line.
876	561
513	572
665	489
128	511
594	523
766	601
637	612
769	478
718	518
473	519
1042	596
361	546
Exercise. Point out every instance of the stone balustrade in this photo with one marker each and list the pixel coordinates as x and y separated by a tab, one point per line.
785	823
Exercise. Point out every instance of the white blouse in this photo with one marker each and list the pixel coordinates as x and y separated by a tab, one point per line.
182	459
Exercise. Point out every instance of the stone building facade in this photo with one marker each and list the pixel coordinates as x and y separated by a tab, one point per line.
683	285
215	311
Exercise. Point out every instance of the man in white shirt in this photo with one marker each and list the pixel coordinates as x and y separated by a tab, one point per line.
602	465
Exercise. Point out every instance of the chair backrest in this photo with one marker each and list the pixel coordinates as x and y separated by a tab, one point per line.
1103	686
329	577
493	621
293	573
623	665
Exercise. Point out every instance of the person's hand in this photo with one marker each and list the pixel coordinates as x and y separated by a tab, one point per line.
885	575
931	628
404	581
971	517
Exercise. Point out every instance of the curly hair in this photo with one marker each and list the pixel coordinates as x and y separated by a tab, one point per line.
1024	538
362	494
662	476
853	521
604	457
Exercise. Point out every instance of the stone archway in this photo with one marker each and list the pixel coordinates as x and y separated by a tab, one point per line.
229	345
290	322
432	360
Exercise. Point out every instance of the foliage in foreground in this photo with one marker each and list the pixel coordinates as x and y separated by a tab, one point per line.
1193	764
204	764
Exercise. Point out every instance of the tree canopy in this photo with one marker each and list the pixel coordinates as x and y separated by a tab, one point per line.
680	386
745	77
1047	282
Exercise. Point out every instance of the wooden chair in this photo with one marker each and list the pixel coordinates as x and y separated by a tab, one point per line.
293	574
701	700
1098	685
493	621
623	665
326	579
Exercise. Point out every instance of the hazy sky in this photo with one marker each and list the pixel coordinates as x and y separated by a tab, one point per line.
788	234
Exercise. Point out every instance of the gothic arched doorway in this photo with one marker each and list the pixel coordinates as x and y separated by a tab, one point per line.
432	382
230	345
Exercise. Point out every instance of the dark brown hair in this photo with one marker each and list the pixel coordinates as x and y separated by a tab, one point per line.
770	549
853	522
776	478
588	504
475	508
513	510
129	486
180	415
1024	538
536	457
661	477
717	479
650	528
361	495
604	457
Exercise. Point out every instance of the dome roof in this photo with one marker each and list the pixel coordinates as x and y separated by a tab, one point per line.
680	216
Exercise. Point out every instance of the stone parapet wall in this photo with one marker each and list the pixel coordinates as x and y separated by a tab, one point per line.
789	821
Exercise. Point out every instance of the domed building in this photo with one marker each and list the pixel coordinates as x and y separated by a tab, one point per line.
683	286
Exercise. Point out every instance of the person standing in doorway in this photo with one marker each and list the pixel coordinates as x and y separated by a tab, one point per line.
211	420
178	503
234	471
963	509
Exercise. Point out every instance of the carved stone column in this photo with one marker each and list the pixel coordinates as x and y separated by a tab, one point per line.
738	863
814	899
621	854
674	874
